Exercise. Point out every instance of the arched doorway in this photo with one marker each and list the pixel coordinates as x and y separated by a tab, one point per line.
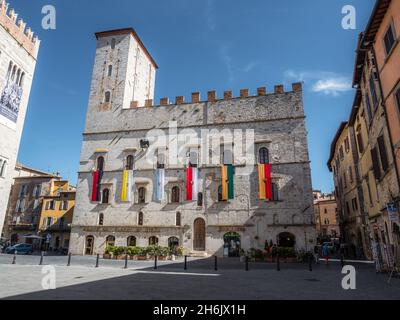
173	244
286	240
232	244
199	238
89	244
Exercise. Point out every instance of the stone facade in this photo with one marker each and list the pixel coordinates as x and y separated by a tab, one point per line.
114	132
18	54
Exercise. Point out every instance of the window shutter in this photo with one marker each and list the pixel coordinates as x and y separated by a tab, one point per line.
383	153
375	163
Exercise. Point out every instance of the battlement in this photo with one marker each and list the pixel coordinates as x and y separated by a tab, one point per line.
18	29
212	96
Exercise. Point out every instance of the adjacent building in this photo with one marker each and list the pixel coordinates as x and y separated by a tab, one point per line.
205	175
343	162
56	216
373	130
18	54
326	219
25	203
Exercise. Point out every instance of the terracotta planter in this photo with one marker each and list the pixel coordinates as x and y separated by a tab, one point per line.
162	258
290	260
106	256
141	258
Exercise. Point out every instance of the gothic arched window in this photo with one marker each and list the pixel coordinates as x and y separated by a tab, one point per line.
107	97
263	156
113	42
178	219
175	195
100	163
140	219
106	195
110	69
142	195
220	193
129	162
101	219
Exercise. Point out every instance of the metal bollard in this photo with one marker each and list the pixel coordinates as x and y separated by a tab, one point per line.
155	262
69	260
41	258
14	257
247	263
97	261
215	263
185	264
278	266
310	259
126	261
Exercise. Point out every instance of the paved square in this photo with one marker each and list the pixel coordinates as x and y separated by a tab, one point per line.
82	280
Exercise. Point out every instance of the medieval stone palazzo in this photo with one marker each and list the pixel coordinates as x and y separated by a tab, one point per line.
132	191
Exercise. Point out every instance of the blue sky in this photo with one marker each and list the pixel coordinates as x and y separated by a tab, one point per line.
199	46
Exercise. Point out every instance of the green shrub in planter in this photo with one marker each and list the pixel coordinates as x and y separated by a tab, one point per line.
109	250
134	251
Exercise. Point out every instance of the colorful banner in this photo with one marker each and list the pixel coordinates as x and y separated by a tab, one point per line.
191	183
160	181
264	182
227	182
95	179
126	192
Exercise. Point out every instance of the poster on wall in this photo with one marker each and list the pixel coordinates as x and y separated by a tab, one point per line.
10	102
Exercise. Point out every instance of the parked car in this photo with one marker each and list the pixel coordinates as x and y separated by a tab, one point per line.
21	248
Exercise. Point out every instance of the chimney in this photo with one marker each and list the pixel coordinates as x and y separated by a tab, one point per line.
164	101
262	91
179	100
227	95
134	104
195	97
298	86
244	93
148	103
278	88
211	96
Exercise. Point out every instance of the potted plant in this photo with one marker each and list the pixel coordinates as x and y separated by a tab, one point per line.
108	252
133	252
163	253
142	253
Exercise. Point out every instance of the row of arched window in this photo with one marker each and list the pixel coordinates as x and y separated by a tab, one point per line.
141	196
140	222
263	158
15	74
131	241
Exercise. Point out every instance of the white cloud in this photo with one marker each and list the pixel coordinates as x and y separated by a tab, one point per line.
333	86
328	83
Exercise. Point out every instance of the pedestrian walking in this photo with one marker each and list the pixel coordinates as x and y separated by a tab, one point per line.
325	253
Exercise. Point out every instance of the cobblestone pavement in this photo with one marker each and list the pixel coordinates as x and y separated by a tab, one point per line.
200	281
